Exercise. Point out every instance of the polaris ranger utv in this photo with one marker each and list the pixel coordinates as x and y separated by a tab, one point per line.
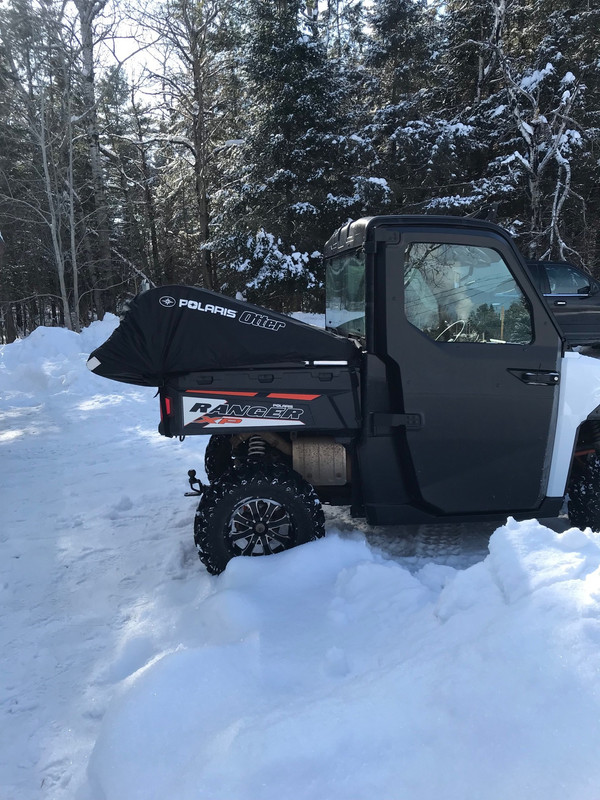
441	390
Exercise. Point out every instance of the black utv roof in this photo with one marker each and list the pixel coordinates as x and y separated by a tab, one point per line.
355	233
174	330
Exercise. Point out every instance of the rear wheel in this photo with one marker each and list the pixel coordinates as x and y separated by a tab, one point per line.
584	493
218	457
255	510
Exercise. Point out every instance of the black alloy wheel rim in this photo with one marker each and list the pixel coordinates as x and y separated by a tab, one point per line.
259	526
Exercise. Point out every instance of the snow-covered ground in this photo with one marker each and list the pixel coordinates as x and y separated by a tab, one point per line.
358	667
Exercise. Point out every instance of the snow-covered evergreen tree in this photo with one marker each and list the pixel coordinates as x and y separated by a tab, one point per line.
426	150
300	171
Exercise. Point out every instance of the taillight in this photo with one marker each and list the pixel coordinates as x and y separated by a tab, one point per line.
165	405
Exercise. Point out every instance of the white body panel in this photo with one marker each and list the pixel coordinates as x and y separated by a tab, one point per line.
579	395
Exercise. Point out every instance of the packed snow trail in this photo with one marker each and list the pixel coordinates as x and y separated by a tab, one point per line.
91	502
330	672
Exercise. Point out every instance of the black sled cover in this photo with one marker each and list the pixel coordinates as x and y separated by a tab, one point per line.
174	330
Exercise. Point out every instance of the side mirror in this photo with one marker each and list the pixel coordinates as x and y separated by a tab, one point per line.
586	290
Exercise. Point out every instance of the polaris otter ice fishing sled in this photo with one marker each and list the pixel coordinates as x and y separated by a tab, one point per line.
441	390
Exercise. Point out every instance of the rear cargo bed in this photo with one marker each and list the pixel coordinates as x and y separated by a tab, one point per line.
323	399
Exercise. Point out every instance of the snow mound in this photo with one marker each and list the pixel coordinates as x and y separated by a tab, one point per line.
331	672
49	360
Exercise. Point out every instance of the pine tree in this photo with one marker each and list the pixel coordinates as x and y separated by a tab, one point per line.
298	173
424	147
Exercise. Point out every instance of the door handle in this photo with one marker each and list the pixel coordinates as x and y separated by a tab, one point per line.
536	377
560	302
381	423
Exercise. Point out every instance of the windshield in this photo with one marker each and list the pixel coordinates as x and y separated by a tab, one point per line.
345	293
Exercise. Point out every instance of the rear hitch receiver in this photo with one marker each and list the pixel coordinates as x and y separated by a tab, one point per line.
194	481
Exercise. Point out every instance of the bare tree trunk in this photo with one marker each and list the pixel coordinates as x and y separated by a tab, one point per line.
10	332
196	39
187	26
54	216
9	324
543	139
87	11
72	220
148	195
98	302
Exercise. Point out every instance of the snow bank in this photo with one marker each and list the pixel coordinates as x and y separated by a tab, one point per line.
330	672
49	361
318	320
90	505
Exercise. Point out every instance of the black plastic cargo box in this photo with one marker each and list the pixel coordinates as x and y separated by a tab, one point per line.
323	399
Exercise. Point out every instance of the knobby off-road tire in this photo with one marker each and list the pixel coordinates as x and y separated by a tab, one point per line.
584	494
218	457
255	509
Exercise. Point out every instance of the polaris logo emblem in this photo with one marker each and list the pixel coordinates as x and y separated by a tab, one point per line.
209	308
167	302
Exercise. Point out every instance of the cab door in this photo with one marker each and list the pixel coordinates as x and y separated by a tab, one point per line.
473	360
574	297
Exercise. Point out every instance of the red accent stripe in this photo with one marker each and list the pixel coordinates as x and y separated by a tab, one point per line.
293	396
214	391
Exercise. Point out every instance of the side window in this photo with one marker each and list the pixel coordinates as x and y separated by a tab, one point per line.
564	279
345	293
461	293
